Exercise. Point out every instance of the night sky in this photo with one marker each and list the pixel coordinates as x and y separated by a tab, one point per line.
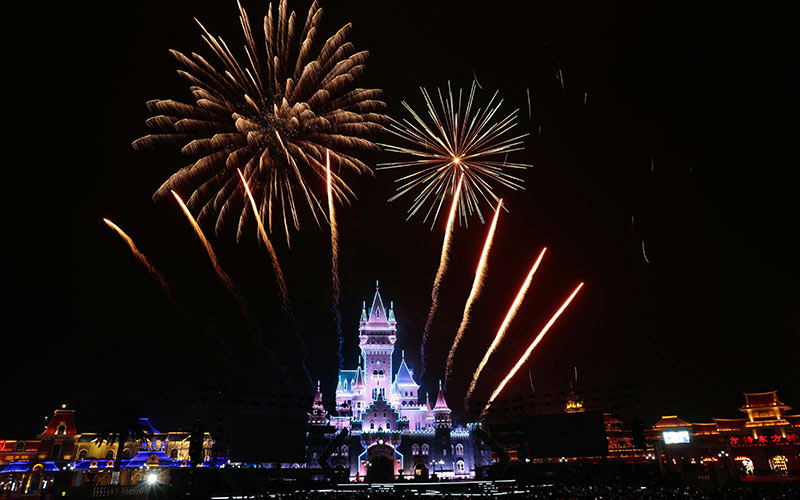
707	92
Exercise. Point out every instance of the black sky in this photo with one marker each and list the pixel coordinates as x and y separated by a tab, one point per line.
708	92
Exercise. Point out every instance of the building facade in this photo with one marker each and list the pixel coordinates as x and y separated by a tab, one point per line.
764	445
392	432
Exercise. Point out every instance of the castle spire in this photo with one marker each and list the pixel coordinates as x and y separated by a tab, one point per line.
441	404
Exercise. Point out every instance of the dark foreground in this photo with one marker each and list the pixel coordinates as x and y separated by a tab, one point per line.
776	492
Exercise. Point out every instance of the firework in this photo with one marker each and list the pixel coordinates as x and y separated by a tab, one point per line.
272	114
276	267
221	274
445	257
334	259
501	332
145	262
530	348
477	285
462	140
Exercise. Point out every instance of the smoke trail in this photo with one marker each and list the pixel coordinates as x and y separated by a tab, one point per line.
477	285
273	256
337	316
530	349
501	332
440	273
221	274
155	273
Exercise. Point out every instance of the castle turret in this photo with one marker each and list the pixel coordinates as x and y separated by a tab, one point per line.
318	415
441	412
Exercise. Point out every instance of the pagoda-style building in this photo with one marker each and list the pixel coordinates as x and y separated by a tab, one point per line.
761	446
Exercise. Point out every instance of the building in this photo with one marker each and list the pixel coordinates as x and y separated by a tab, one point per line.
392	432
64	458
764	445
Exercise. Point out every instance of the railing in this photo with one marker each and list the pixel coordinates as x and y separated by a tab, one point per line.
117	490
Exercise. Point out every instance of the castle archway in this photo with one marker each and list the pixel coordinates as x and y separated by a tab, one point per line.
380	464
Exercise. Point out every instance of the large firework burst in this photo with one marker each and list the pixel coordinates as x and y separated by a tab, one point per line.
273	116
462	139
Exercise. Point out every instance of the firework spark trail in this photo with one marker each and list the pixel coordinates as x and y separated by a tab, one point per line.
337	316
644	254
528	91
270	249
440	272
221	274
530	349
501	332
281	282
477	285
145	262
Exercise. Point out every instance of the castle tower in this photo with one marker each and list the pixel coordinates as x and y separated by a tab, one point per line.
377	335
318	415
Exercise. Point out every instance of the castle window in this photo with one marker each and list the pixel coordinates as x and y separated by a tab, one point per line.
20	446
126	453
61	429
372	425
388	425
460	467
56	453
459	449
83	454
110	455
345	450
415	449
425	448
173	454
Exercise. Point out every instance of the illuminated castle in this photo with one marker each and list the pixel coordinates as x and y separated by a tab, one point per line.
391	433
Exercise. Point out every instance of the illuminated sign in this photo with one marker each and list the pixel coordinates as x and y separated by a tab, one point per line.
738	441
675	437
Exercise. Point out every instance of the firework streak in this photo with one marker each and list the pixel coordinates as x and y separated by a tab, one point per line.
145	262
442	269
337	316
530	349
477	285
501	332
276	267
221	274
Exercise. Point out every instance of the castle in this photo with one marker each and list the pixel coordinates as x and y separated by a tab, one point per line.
391	434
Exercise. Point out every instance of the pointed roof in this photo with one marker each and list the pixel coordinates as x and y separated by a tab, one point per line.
428	402
377	313
441	404
364	311
390	313
359	383
377	317
318	397
404	377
